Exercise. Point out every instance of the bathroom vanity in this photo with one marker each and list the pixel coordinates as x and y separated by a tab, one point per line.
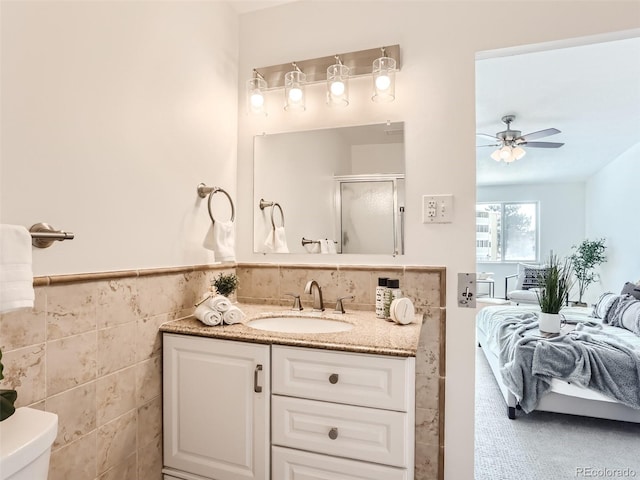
241	403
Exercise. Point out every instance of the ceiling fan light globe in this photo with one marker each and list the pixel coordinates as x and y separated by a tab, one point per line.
496	155
505	153
518	153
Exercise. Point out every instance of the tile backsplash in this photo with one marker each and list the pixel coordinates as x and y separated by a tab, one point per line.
90	351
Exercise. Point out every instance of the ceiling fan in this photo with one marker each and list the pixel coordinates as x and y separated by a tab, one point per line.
510	142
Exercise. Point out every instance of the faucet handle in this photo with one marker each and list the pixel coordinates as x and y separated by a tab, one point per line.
296	301
339	306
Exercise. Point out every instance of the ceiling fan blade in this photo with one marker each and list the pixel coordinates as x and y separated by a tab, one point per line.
493	145
492	137
542	144
539	134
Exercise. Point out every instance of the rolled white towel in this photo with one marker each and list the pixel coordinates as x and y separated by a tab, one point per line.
233	315
219	303
208	316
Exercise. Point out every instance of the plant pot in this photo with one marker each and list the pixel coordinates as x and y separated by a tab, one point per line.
549	322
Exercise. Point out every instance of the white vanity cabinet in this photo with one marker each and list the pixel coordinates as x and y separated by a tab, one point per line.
216	402
341	415
243	411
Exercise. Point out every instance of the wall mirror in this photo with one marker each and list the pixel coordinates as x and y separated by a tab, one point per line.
337	190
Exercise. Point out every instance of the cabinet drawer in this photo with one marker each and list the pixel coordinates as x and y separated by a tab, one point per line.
361	433
288	464
356	379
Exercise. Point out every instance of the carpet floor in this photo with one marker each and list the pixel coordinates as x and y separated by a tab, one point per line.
547	446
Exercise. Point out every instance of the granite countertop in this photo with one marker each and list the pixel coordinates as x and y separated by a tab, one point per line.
368	335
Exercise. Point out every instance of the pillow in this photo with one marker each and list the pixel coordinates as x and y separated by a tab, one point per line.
631	289
530	276
625	313
603	304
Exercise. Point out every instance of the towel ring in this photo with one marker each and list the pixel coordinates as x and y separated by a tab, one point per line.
203	191
264	204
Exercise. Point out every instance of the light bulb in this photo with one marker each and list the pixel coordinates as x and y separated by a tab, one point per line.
505	152
519	152
257	100
295	94
383	82
337	88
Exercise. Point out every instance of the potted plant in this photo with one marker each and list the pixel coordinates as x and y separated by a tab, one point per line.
225	284
7	398
588	255
555	283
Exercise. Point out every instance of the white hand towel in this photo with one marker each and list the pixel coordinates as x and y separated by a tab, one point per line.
208	316
280	241
324	246
219	303
313	247
224	241
233	315
331	246
16	273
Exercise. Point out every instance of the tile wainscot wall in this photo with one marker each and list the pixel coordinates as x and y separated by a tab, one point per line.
90	351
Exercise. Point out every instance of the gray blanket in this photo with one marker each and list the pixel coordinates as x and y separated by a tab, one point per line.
587	357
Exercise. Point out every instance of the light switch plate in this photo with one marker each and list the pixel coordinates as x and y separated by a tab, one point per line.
467	290
437	208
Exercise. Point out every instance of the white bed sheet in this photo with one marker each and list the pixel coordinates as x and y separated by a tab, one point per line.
488	318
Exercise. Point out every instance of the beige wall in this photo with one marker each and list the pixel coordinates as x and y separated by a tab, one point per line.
112	112
435	99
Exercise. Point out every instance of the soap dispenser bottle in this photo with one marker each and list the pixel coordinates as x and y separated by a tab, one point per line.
381	291
393	292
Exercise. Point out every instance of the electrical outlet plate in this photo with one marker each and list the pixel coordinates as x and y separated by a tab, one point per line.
467	290
437	208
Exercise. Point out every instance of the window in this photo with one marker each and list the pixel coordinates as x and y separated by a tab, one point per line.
507	232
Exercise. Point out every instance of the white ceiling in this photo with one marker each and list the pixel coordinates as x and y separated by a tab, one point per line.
590	93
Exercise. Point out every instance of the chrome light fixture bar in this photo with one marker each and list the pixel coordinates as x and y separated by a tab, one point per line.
359	63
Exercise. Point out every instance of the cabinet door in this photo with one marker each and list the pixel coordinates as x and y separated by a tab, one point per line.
216	397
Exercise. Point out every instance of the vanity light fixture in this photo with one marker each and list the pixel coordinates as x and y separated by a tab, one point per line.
338	84
334	71
384	78
256	87
294	97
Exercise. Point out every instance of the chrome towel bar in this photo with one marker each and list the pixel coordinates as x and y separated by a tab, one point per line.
264	204
43	235
203	191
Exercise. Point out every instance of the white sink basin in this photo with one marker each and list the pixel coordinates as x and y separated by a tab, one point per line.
299	325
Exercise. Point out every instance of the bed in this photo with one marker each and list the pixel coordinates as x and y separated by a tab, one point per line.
492	324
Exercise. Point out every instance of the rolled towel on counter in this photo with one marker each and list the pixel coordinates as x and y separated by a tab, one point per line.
219	303
233	315
208	316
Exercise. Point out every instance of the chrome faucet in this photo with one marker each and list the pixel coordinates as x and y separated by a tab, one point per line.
318	306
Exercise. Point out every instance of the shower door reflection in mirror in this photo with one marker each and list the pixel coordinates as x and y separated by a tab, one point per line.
369	211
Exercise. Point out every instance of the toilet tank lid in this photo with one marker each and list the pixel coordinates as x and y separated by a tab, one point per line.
24	436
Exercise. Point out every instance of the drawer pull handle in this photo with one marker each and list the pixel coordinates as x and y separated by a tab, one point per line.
256	388
333	433
333	378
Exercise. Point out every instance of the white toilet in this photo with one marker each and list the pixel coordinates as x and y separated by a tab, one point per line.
25	444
